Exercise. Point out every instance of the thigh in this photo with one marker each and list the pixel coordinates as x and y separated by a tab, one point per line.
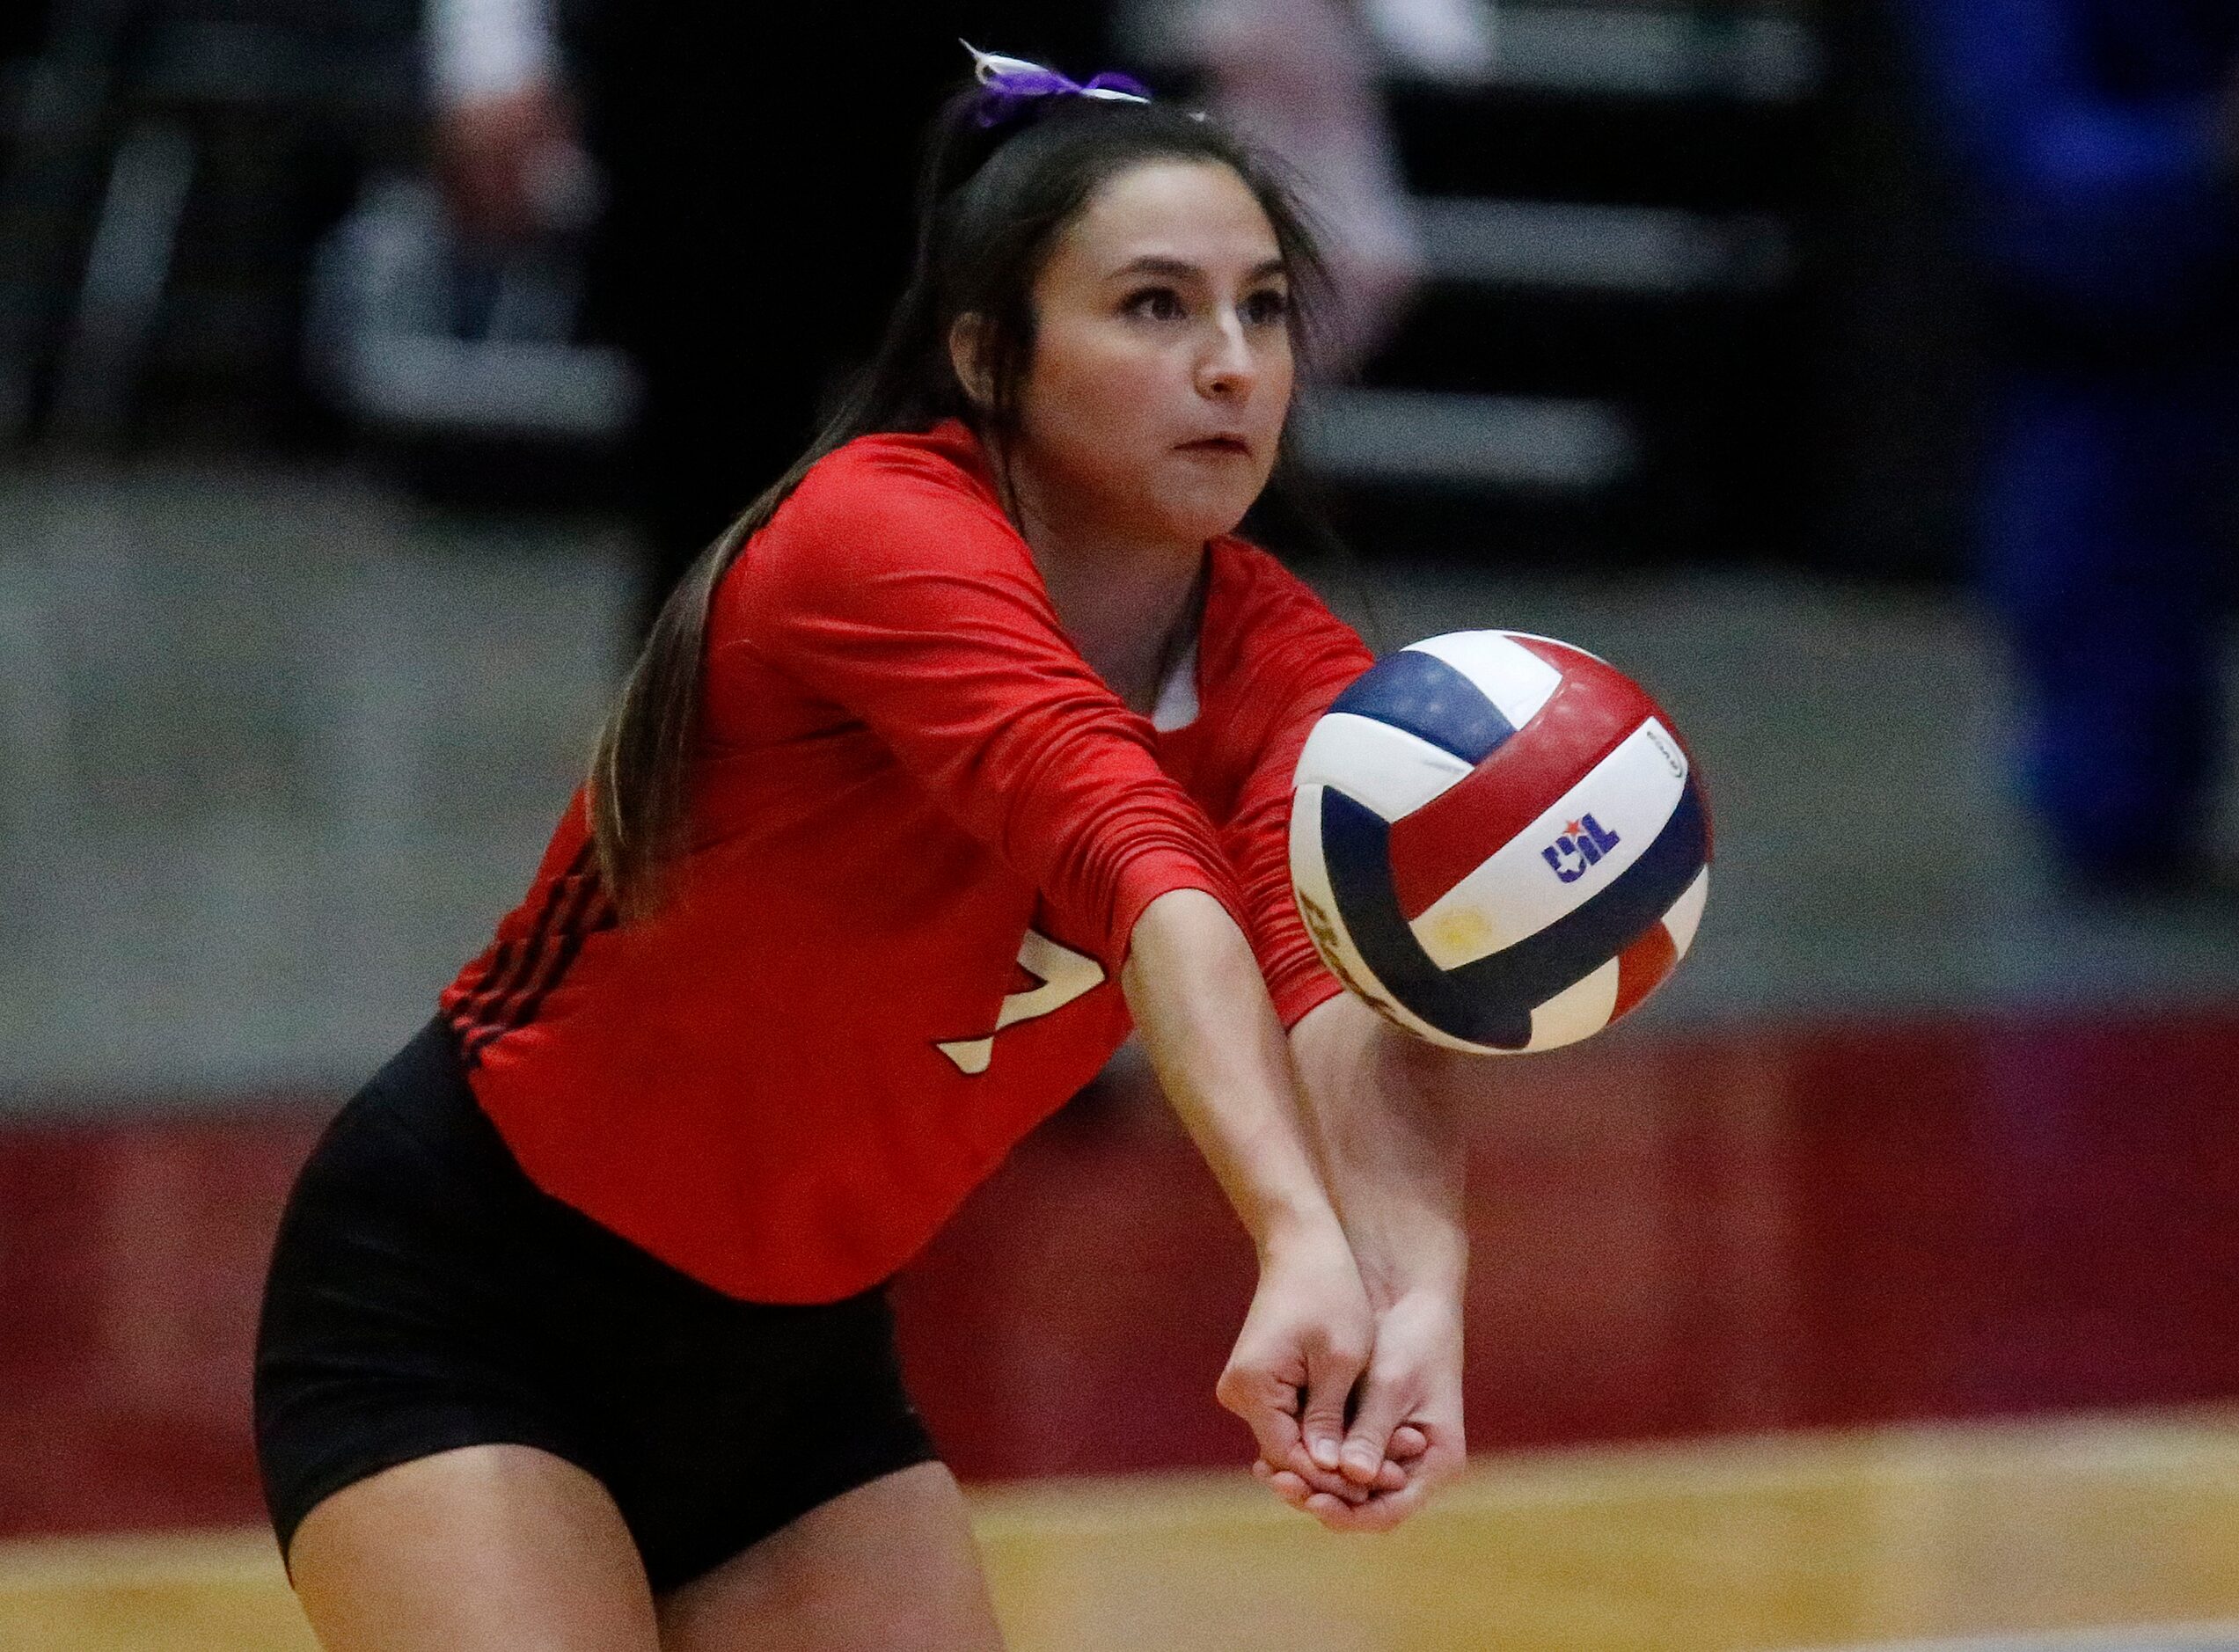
718	1424
496	1546
891	1564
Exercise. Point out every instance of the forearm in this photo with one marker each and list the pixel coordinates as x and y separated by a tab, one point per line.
1199	1001
1381	1114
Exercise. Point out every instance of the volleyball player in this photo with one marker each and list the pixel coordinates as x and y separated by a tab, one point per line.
968	746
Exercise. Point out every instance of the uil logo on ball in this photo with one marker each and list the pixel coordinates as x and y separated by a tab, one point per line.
1584	843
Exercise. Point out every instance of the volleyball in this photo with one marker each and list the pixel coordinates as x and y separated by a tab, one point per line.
1499	842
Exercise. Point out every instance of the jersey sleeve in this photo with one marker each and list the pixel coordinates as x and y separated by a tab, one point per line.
893	588
1318	664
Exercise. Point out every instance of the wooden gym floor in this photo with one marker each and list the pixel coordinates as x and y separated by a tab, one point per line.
2127	1528
1843	1335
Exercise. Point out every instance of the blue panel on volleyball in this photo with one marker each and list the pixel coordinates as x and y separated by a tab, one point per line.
1428	697
1540	966
1490	1001
1356	847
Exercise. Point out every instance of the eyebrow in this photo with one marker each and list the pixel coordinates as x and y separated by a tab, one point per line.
1181	269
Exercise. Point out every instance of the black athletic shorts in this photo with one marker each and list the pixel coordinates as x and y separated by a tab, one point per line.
425	1295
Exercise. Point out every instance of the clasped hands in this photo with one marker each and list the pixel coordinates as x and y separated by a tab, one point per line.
1356	1404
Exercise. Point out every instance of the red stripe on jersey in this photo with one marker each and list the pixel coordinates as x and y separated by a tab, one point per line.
477	980
589	911
559	938
1642	967
1588	716
514	965
493	993
603	915
504	965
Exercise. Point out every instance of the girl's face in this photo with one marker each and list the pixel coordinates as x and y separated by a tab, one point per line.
1161	370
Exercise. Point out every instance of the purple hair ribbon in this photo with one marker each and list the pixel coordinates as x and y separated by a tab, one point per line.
1008	83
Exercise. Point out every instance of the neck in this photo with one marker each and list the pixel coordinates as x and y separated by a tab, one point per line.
1126	599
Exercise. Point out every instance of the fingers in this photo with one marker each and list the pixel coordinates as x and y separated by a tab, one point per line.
1403	1483
1383	1406
1320	1479
1283	1483
1268	1407
1329	1387
1269	1410
1390	1475
1380	1513
1298	1480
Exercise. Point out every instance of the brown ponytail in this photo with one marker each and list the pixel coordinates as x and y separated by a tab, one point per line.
640	789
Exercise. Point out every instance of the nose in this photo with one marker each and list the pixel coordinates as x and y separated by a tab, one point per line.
1227	370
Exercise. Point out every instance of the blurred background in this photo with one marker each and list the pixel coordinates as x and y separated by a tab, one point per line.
1856	374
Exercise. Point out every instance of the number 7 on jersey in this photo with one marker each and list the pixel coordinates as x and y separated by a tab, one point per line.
1063	974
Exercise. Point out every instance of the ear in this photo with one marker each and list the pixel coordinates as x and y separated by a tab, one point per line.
967	346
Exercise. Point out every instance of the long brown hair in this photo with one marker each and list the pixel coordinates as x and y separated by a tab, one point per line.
991	203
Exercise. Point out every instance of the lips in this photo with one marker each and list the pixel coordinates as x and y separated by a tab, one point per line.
1236	445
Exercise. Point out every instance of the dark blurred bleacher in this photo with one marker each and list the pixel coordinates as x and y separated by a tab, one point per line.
1650	331
1605	362
165	166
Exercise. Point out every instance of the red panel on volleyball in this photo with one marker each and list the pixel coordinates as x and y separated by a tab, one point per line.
1587	717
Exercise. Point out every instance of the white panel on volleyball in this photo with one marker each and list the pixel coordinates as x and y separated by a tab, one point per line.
1512	677
1686	912
1317	902
1580	1008
1385	769
1534	636
1513	893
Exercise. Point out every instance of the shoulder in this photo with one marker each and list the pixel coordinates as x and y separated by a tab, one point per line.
884	506
940	475
1261	618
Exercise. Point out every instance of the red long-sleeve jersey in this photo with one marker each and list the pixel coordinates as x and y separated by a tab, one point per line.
922	830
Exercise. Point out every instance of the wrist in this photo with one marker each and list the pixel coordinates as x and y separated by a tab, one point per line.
1431	1272
1422	1300
1295	1226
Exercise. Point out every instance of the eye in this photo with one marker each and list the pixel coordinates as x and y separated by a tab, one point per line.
1267	307
1155	303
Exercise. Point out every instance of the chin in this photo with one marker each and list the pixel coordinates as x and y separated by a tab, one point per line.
1201	513
1193	526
